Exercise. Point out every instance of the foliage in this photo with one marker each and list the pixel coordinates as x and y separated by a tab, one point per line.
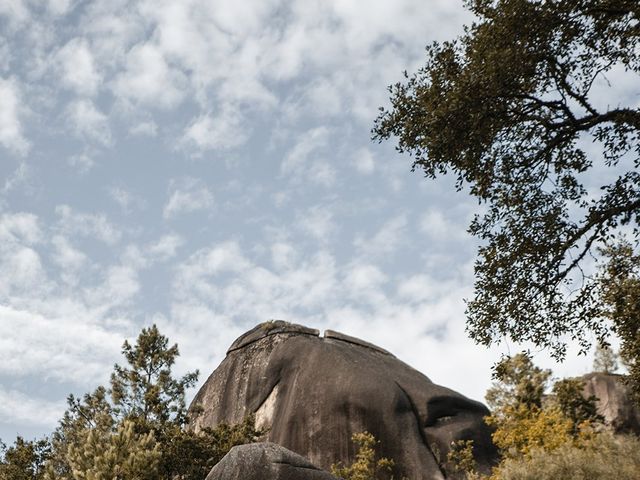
188	455
91	412
365	466
146	390
604	457
120	455
137	429
523	420
554	436
523	430
518	382
569	399
620	289
605	359
24	460
509	108
461	459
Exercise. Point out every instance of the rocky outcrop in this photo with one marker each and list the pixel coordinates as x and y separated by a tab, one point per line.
313	393
614	401
265	461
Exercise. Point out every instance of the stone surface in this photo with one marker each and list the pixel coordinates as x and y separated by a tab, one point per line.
614	402
265	461
314	392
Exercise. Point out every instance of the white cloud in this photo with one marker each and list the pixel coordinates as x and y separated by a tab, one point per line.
317	222
86	224
121	196
166	247
16	406
20	227
364	282
434	225
224	287
77	67
88	122
225	130
119	286
323	98
283	255
126	199
11	136
18	178
222	258
15	10
363	161
305	161
298	157
73	347
21	269
83	162
385	241
148	129
322	173
66	256
59	7
149	80
187	196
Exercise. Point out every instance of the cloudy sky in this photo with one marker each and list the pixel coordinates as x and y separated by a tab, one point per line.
207	165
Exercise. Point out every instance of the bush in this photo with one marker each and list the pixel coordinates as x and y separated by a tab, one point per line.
603	457
365	466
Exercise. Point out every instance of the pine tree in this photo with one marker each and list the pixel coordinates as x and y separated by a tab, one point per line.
120	455
139	425
145	390
24	460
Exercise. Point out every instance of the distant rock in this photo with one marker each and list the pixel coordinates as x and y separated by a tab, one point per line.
265	461
313	393
614	401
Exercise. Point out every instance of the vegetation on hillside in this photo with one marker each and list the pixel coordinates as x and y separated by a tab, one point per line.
137	430
547	432
134	430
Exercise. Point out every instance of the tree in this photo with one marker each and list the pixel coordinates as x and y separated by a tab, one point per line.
525	419
570	400
137	429
145	390
103	454
620	290
24	460
604	359
365	466
90	412
188	455
516	402
518	382
511	109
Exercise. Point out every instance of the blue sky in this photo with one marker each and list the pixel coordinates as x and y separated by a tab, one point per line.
207	166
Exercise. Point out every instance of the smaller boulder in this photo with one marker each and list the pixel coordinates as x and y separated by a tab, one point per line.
265	461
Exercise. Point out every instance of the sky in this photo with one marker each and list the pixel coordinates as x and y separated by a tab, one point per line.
207	166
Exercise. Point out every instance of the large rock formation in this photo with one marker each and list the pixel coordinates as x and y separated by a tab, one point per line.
313	393
614	401
265	461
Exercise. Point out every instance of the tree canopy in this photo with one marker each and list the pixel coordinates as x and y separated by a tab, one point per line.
134	430
512	109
